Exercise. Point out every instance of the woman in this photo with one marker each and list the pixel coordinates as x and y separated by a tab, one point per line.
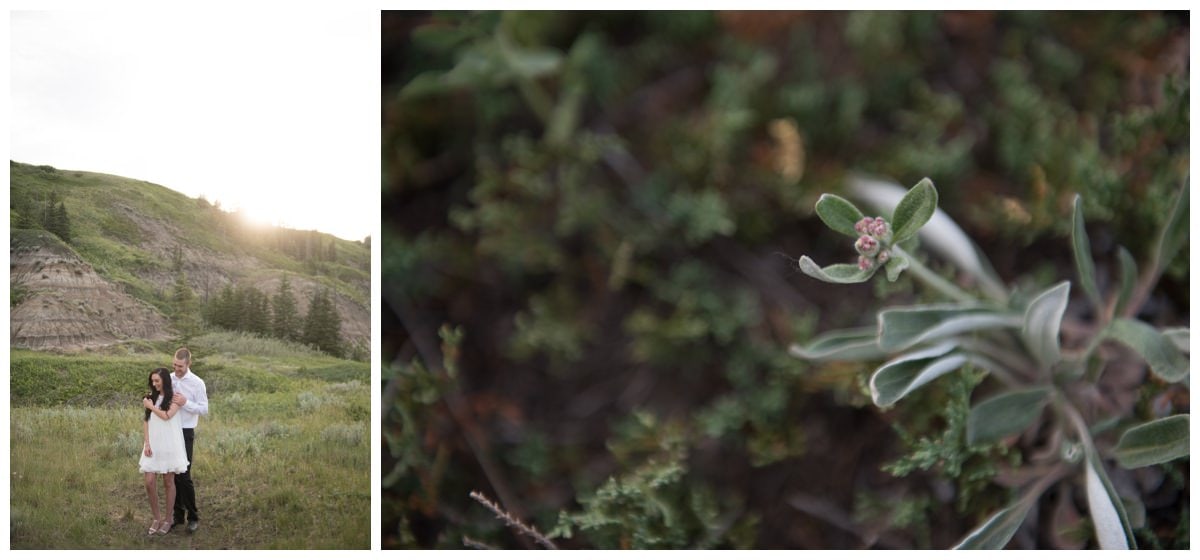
163	452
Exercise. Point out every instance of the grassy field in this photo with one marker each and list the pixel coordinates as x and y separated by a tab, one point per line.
282	459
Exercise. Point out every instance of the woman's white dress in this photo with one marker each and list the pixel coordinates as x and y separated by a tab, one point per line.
166	443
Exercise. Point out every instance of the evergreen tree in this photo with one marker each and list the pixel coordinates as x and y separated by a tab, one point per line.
47	214
54	217
184	303
285	317
223	312
256	312
322	325
63	221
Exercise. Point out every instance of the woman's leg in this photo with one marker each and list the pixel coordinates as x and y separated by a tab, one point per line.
169	484
152	492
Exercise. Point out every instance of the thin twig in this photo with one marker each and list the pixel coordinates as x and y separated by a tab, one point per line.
472	543
513	522
459	410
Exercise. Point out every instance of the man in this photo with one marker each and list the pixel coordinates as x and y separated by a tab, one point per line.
192	398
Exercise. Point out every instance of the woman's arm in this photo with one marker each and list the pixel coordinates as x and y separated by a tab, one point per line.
166	414
146	439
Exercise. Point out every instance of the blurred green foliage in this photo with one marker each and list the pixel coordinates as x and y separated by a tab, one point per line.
608	205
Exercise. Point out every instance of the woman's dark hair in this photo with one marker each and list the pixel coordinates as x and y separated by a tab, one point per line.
167	392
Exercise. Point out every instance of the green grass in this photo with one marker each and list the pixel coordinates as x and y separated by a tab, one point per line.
282	459
103	209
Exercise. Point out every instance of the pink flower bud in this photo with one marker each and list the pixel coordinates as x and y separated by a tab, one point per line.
883	256
864	263
863	226
878	227
867	246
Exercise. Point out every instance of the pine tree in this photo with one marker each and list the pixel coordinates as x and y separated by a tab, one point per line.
257	312
184	304
63	220
322	325
221	312
286	319
54	217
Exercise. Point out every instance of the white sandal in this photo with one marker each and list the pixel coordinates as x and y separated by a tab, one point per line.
154	528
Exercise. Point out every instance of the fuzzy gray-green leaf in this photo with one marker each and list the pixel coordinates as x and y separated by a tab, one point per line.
895	265
1128	278
1043	318
1175	231
1181	337
1108	513
835	273
903	327
839	214
1005	414
1083	254
899	377
917	206
528	62
995	533
1154	442
844	344
1166	361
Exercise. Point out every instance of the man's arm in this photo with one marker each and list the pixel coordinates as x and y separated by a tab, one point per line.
199	403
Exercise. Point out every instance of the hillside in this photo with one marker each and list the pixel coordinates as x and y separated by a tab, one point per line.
113	280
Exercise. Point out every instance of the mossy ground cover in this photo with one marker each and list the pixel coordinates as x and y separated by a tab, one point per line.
610	205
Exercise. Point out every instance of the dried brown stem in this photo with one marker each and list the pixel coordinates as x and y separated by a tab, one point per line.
513	522
472	543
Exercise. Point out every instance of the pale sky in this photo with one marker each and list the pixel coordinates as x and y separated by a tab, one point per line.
272	112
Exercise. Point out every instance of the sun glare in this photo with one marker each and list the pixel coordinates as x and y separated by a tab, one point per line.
255	218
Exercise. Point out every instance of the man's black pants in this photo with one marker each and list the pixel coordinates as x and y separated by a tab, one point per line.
185	492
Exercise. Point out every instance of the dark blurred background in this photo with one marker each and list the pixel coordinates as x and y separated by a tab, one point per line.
590	226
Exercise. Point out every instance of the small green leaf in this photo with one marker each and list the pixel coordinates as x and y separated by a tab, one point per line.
1083	255
565	118
899	377
845	344
917	206
1042	320
1128	279
528	62
1175	231
1166	361
895	265
1154	442
995	533
839	214
425	83
1181	337
1005	414
836	273
1108	513
903	327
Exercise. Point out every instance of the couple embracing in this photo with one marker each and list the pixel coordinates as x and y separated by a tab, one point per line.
173	408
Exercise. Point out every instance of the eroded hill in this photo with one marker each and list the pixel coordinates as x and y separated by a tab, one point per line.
113	282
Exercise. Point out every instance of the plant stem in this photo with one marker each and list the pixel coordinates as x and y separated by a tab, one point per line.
932	279
1067	409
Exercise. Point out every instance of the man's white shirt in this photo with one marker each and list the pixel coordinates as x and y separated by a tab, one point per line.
191	387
